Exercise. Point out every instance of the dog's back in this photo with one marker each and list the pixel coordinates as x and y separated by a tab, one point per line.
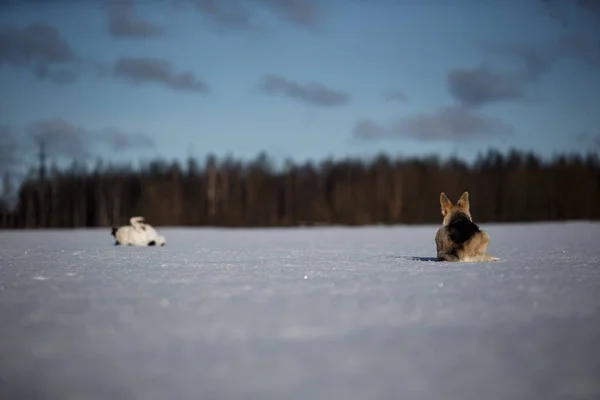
461	228
459	238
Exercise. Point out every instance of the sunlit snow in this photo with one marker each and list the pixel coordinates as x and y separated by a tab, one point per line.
305	313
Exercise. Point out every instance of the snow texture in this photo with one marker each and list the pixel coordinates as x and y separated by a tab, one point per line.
306	313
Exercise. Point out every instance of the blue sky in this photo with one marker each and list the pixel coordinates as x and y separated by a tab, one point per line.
299	79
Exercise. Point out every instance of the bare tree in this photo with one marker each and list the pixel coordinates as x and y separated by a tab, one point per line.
513	187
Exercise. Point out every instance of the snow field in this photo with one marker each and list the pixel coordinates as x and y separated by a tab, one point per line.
304	313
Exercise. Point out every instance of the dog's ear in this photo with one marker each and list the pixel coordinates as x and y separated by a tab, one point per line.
445	203
463	202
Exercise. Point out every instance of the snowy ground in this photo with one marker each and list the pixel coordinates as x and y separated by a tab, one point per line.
327	313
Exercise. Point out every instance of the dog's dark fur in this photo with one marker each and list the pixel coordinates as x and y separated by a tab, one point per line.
459	238
461	228
113	232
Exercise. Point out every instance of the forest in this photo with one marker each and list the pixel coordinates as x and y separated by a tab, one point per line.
512	187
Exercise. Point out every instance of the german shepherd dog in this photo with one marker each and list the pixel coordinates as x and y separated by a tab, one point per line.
459	239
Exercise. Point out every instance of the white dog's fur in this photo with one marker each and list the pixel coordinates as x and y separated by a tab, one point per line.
138	233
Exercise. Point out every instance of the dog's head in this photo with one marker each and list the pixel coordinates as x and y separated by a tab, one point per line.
114	230
449	209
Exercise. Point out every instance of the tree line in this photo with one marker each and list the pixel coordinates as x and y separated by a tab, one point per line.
512	187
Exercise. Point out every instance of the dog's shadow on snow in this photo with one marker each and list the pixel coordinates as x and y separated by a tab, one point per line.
415	258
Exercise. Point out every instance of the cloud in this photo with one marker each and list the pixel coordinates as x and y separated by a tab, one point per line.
561	10
451	123
592	6
312	93
578	47
534	63
226	13
41	49
477	86
64	139
482	85
149	70
46	54
239	14
120	141
580	20
301	12
395	95
367	129
61	137
123	21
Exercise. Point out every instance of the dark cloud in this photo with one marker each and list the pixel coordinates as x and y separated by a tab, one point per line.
562	10
64	139
452	123
227	13
120	141
367	129
592	6
395	95
34	43
61	138
581	22
124	22
41	49
149	70
239	14
578	47
47	55
482	85
579	40
312	93
301	12
477	86
533	63
556	11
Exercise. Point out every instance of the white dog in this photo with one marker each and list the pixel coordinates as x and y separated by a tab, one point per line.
138	233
